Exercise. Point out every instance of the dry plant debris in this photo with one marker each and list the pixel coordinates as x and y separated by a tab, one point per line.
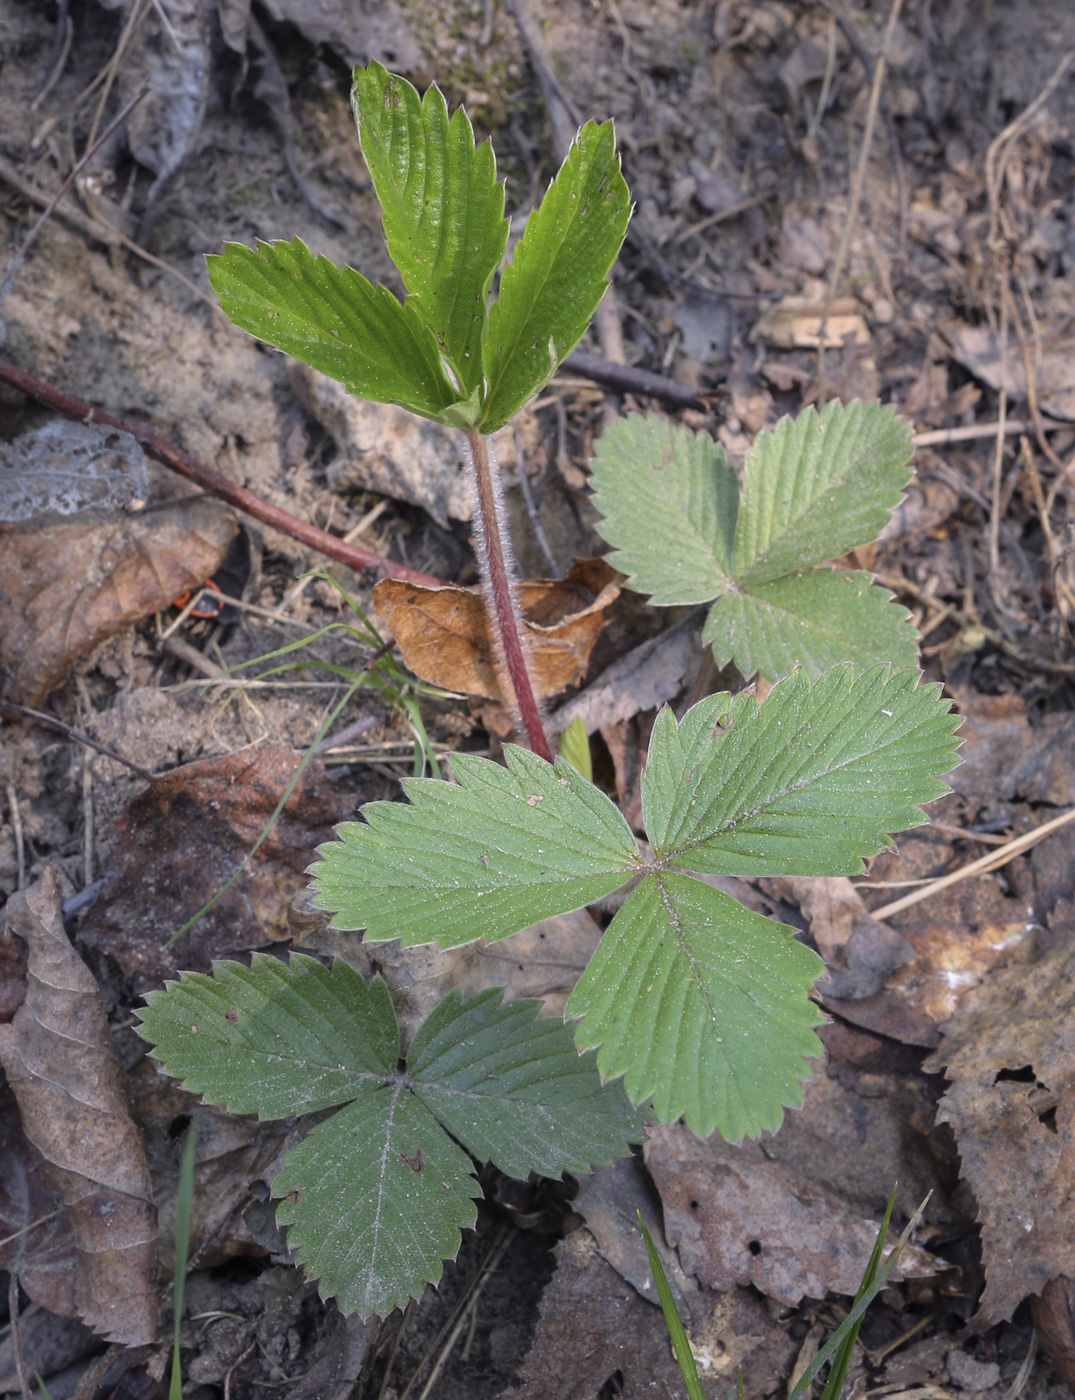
58	1057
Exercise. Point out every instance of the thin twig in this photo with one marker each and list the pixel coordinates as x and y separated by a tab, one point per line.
993	861
16	1334
17	261
16	827
856	190
215	482
75	734
630	380
531	507
972	432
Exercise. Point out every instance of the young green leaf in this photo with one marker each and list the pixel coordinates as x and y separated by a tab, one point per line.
557	277
335	320
377	1193
814	487
816	619
515	1090
505	848
809	783
818	485
442	205
670	503
702	1004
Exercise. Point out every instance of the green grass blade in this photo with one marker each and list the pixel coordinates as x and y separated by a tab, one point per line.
676	1331
184	1202
868	1291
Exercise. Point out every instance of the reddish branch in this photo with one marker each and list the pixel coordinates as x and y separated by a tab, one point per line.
215	482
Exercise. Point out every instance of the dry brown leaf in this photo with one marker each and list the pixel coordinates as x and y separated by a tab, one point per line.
739	1218
38	1244
593	1324
66	587
1052	364
443	633
1009	1053
795	323
179	843
1054	1321
58	1057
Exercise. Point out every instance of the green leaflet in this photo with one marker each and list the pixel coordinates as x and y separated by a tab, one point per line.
808	783
813	488
335	320
817	618
443	209
377	1193
505	848
556	279
670	502
702	1004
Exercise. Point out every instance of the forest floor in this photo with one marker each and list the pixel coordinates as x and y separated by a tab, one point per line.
947	289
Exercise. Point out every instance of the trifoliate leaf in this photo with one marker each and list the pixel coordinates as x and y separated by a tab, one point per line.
515	1091
818	485
815	619
442	205
808	783
335	320
702	1004
505	848
274	1039
556	279
376	1197
670	502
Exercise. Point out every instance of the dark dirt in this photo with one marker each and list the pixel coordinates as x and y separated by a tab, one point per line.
742	189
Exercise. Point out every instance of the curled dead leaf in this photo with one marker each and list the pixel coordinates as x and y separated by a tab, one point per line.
443	633
65	587
58	1057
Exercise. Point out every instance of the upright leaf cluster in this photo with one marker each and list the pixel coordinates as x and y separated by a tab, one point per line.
698	1002
814	487
446	353
377	1193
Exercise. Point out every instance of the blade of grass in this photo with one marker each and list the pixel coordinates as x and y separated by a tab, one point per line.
183	1203
676	1331
868	1291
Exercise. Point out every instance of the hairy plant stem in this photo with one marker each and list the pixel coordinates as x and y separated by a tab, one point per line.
495	566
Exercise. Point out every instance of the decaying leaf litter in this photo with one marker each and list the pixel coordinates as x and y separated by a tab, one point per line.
742	128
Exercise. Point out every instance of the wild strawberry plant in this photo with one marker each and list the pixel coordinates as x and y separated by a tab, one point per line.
692	1005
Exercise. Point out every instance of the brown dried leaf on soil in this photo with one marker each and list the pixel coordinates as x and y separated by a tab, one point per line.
1054	1322
58	1057
181	840
739	1218
443	633
594	1324
66	587
1009	1053
39	1249
977	348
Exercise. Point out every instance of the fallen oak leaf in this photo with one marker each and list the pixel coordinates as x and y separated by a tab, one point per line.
443	633
58	1057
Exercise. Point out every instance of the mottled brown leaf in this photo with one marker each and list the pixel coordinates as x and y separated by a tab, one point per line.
1054	1322
1009	1053
179	843
57	1054
66	587
443	633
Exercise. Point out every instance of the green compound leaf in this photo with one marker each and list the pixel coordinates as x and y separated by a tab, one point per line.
377	1193
273	1039
670	501
815	619
505	848
818	485
702	1004
814	487
515	1090
557	277
376	1197
808	783
443	209
335	320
